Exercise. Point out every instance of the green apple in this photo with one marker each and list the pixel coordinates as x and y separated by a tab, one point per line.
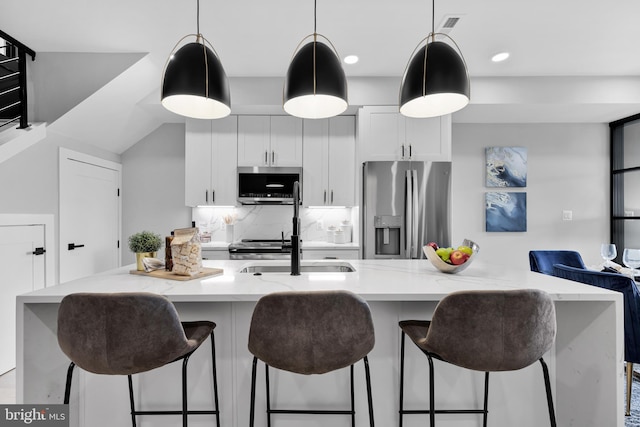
444	253
465	249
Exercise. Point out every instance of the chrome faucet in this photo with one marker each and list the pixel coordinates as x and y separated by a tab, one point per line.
295	234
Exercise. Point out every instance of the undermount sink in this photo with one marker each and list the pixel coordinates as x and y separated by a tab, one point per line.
325	267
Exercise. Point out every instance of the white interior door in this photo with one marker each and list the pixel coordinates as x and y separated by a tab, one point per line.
89	215
23	271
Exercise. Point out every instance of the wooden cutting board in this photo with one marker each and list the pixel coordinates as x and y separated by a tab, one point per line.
164	274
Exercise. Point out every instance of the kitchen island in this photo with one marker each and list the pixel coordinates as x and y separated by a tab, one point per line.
586	362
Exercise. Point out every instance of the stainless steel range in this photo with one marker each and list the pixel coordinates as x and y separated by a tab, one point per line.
260	249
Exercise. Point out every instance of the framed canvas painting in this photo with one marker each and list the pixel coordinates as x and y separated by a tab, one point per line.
506	211
506	166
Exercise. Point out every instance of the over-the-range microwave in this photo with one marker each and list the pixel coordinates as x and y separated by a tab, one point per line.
267	185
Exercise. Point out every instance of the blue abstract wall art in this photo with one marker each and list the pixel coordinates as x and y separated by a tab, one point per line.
506	211
506	166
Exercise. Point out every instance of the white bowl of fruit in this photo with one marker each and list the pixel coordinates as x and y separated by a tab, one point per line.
451	260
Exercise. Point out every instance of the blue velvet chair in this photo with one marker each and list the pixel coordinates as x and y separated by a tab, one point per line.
543	261
626	285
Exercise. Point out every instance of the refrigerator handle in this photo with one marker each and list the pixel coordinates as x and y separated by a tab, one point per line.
414	215
408	214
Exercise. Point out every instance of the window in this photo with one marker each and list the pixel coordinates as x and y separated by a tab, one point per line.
625	183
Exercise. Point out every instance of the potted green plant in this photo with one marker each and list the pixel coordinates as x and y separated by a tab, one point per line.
144	244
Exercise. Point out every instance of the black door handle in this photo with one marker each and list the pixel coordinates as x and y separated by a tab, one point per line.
39	251
72	246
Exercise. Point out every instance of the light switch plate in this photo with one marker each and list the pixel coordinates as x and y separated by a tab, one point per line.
567	215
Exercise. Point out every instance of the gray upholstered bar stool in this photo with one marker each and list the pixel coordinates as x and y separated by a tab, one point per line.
311	333
130	333
485	331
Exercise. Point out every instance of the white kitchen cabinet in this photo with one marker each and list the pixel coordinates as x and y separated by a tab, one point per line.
329	162
269	141
210	162
385	134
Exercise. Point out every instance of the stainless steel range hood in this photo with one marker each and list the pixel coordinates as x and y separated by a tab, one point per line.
267	185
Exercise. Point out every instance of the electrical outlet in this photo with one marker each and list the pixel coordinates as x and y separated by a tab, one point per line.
319	225
567	215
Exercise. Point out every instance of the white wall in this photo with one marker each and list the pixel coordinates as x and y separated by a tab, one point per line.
153	186
568	169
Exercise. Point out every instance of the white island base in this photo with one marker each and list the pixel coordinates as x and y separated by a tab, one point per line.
586	362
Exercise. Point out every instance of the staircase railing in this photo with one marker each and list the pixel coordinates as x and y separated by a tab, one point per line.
13	81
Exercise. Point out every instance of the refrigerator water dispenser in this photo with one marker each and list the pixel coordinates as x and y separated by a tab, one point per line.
388	230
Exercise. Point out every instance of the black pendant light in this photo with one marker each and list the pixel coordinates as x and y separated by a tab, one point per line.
315	86
436	80
194	83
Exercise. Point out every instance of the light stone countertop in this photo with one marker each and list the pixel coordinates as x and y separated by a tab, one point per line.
375	280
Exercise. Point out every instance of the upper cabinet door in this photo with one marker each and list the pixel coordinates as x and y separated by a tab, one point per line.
315	170
382	128
286	141
254	148
224	174
385	134
210	161
342	161
198	154
427	139
269	141
329	162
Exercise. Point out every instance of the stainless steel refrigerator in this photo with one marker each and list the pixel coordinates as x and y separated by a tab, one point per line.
406	204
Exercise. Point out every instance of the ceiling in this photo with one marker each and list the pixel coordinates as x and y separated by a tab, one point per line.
257	38
546	38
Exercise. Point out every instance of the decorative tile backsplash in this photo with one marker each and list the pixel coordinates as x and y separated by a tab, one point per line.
268	222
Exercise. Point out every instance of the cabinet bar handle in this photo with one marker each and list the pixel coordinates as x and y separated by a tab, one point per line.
213	196
39	251
331	196
206	196
403	151
325	196
410	151
266	157
273	157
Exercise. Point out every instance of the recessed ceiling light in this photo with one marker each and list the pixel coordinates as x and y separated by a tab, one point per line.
350	59
499	57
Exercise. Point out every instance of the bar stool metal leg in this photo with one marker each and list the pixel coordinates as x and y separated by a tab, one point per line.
215	379
353	399
131	401
266	379
67	389
432	399
547	386
401	377
185	413
252	409
369	394
486	398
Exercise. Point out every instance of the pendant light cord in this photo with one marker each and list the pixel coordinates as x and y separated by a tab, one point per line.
433	16
198	19
315	38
